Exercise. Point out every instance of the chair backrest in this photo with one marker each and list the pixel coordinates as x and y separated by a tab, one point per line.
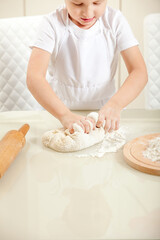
16	34
152	57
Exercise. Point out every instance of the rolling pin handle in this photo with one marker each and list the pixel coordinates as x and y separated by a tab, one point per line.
24	129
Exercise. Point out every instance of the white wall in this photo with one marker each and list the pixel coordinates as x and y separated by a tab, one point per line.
11	8
134	11
15	8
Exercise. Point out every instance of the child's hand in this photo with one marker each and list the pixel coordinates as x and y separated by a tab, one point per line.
70	118
110	112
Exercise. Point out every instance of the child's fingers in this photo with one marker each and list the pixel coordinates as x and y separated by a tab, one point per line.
86	125
113	125
107	125
71	130
92	121
100	121
117	125
81	125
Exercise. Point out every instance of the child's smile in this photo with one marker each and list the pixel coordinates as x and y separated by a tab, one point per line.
87	19
84	13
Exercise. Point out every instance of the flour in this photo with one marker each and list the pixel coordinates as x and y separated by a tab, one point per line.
153	150
112	142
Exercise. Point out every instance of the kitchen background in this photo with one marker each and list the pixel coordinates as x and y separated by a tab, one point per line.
134	10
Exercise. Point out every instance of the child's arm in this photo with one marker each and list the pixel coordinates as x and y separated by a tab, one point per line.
130	89
43	93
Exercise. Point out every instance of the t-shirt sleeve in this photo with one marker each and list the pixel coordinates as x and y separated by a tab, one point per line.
45	37
124	35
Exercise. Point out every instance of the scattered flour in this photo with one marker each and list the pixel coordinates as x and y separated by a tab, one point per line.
153	150
112	142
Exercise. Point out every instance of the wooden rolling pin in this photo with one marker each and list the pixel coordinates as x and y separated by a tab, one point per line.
10	146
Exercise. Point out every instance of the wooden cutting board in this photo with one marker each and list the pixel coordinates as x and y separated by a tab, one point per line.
133	155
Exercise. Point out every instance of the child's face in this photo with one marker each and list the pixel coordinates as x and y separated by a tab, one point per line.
84	13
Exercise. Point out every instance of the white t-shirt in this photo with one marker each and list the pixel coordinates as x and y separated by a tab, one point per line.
84	61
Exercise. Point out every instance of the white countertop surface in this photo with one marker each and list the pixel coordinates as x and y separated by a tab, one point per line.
46	195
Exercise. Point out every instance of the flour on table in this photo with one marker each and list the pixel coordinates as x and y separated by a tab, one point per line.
111	143
153	150
62	140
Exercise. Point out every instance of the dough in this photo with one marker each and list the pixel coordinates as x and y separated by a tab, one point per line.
62	140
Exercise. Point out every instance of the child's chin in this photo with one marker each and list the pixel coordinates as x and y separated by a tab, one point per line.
86	25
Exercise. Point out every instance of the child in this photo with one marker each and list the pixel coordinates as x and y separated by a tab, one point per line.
82	40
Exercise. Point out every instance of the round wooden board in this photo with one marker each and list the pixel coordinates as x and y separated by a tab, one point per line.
133	155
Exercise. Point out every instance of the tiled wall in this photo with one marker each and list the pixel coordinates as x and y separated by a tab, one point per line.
134	10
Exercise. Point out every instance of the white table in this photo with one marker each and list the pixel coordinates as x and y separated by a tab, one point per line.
46	195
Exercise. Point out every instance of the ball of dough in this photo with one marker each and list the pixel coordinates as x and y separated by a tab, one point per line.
62	140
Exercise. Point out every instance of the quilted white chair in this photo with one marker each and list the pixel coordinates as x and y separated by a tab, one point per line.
152	57
16	34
